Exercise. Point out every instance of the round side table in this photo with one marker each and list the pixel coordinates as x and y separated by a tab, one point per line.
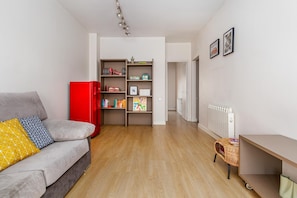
227	151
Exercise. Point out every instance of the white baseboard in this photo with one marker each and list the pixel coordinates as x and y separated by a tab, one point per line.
206	130
159	123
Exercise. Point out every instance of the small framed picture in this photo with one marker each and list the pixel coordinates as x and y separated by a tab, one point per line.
228	42
133	90
214	48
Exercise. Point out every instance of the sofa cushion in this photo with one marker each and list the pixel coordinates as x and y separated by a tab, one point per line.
54	160
36	131
20	105
22	184
63	130
15	144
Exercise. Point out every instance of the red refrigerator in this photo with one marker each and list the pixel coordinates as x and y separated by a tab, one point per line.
85	103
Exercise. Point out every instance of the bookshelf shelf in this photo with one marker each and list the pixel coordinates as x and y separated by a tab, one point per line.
113	92
112	108
140	80
113	76
131	96
146	112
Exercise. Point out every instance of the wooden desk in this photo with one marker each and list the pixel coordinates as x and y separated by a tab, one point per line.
263	158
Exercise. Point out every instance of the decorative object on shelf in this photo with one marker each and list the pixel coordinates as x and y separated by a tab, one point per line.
214	48
228	42
134	78
123	103
115	103
115	72
110	71
105	103
105	71
139	103
133	90
132	59
144	92
123	24
145	76
124	71
113	89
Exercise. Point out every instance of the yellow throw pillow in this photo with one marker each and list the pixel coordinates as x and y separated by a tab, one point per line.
15	143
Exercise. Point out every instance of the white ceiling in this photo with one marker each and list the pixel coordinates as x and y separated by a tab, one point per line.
176	20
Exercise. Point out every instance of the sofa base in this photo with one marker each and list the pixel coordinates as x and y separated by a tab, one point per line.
62	186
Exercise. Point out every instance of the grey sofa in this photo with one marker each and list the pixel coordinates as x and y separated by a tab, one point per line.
56	168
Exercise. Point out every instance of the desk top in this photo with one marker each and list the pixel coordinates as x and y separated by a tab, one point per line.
279	146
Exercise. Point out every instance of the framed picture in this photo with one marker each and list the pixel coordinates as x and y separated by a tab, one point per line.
133	90
228	42
214	48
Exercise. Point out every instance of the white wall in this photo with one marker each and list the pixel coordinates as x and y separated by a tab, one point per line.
93	56
142	49
259	79
172	86
42	48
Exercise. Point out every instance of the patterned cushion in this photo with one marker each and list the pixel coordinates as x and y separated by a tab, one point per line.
15	144
36	131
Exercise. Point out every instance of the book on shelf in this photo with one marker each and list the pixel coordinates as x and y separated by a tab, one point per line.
139	103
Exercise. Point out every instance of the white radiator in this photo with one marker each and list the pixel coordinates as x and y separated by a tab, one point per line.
221	121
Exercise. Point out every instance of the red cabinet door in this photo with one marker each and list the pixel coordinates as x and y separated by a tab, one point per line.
85	103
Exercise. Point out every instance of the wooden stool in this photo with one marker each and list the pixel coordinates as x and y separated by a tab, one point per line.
227	151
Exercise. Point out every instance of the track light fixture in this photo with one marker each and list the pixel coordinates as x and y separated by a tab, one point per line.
123	24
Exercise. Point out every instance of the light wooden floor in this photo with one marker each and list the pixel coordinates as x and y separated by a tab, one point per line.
171	161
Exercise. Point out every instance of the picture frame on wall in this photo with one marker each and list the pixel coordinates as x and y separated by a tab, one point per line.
228	42
214	48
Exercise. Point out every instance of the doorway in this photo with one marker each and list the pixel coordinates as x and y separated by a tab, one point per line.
176	88
172	87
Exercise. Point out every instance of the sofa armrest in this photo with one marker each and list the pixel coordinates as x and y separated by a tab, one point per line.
63	130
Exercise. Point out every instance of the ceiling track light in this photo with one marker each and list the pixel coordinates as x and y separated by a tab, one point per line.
123	24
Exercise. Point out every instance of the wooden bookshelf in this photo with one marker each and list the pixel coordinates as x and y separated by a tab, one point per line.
113	115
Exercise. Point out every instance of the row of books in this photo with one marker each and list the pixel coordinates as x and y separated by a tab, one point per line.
139	103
